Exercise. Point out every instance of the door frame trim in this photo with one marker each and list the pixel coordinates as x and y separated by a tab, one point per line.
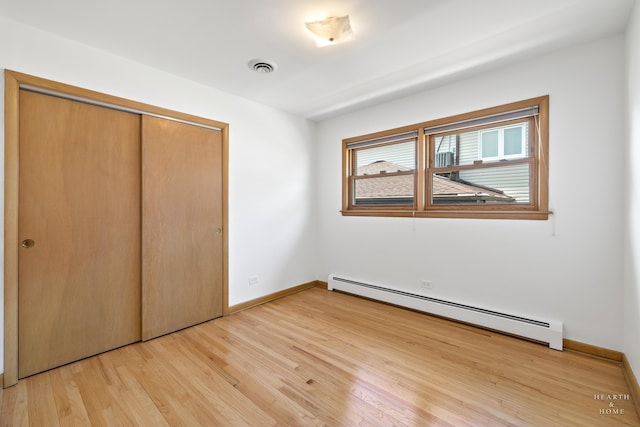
13	82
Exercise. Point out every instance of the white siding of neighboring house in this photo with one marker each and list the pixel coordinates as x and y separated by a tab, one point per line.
512	180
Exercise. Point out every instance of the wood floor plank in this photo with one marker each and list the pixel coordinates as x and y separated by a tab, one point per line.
69	403
321	358
14	410
41	402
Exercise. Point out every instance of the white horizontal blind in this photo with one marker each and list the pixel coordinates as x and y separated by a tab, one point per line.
398	149
509	115
389	139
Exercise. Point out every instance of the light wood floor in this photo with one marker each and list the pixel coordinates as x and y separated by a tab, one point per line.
325	358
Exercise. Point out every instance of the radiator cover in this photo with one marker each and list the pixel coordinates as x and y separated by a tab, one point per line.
549	332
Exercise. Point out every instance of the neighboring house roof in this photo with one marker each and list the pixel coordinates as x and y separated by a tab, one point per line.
445	190
397	186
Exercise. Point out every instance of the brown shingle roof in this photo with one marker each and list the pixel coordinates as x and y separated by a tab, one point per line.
401	186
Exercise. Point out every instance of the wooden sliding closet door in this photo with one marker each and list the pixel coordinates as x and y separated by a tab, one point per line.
182	238
79	228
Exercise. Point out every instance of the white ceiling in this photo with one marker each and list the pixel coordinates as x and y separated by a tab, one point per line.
400	46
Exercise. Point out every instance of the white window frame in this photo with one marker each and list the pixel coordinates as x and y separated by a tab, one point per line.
501	155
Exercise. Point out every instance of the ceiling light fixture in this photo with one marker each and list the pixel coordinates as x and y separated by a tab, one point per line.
262	66
331	30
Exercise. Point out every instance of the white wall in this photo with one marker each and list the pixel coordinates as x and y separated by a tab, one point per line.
632	232
275	169
271	169
568	268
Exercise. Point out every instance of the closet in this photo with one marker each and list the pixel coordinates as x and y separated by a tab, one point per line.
120	220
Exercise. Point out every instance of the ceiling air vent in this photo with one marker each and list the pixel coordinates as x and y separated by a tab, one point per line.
262	66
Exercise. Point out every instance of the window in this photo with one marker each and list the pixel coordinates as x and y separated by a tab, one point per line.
383	171
485	164
507	142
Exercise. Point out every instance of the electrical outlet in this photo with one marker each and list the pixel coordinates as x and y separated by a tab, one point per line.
426	285
253	280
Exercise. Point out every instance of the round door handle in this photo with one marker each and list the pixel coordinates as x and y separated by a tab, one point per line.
27	243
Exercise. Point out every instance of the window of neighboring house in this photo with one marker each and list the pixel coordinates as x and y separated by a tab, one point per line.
486	164
506	142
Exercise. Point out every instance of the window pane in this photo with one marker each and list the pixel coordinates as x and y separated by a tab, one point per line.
469	146
513	141
490	141
391	158
500	184
386	190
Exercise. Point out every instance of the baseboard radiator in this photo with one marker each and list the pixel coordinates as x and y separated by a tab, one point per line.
543	331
